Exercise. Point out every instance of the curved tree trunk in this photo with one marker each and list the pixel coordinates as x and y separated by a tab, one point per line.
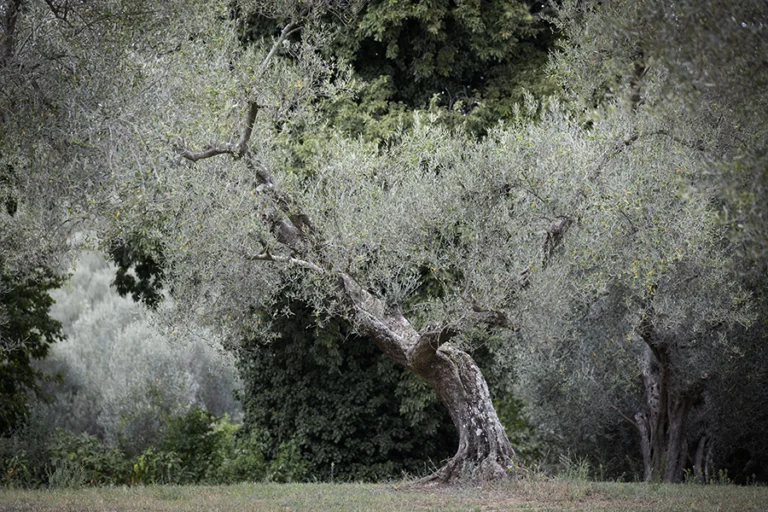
484	451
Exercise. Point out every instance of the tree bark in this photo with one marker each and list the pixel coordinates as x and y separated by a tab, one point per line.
700	470
8	40
662	425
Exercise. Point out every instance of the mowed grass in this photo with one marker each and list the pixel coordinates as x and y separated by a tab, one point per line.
544	495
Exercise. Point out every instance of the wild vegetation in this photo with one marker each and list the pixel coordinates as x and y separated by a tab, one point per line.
445	238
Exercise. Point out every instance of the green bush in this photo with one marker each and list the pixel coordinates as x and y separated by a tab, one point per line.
332	399
16	472
157	467
84	460
197	447
242	458
196	441
25	454
289	465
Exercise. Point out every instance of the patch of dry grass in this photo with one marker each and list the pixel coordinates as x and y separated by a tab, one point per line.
537	495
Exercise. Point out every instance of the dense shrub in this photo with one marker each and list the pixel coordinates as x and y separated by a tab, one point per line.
157	467
197	443
197	448
83	459
327	397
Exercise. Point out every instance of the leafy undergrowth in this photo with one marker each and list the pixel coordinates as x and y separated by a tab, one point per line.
545	495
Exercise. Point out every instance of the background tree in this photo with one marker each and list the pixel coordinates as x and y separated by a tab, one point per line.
652	68
26	334
62	83
123	375
473	60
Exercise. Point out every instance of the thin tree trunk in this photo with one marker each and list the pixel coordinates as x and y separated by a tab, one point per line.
700	460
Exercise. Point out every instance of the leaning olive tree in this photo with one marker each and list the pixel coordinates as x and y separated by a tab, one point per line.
354	236
563	210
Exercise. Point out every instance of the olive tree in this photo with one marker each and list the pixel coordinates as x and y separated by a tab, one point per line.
649	315
354	236
555	211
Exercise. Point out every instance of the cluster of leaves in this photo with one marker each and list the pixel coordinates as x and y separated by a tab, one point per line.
27	331
472	59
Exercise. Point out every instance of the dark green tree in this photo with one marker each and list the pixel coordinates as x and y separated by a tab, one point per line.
470	59
26	334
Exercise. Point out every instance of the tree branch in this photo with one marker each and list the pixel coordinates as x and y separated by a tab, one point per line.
266	256
207	153
289	29
242	144
8	40
240	149
494	318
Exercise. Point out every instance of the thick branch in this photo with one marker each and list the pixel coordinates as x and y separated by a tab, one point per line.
289	29
420	354
493	318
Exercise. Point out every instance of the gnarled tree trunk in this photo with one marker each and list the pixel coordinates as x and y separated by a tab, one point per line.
662	425
484	451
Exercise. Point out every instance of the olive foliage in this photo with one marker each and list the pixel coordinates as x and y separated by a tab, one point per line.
656	303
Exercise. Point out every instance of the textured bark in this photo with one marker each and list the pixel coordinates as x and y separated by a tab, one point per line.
484	451
8	39
662	425
700	463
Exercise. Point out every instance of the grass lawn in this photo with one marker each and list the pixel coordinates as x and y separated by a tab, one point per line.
537	495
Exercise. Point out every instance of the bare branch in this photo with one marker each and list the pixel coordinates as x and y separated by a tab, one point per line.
289	29
630	420
241	148
242	144
207	153
266	256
